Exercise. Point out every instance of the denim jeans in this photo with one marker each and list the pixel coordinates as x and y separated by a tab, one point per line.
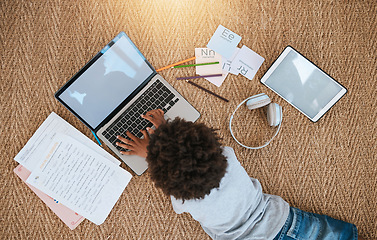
304	225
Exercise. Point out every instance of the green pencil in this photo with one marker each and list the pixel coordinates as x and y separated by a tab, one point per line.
193	65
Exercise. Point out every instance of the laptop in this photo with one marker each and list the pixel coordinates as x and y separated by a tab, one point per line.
114	88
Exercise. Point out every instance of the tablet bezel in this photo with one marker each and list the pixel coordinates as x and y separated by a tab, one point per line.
328	106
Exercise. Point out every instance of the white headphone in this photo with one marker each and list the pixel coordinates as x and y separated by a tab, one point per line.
274	114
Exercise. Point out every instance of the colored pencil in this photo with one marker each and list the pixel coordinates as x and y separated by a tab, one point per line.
208	91
193	65
174	64
99	143
202	76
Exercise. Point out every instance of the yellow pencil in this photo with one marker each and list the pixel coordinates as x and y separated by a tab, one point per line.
174	64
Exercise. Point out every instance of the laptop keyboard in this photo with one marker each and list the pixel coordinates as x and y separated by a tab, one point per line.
157	96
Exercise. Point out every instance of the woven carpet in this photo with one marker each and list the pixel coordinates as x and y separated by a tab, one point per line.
328	167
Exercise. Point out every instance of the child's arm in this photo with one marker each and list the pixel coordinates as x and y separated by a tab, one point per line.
138	146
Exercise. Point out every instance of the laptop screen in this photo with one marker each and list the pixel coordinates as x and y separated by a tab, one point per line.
106	81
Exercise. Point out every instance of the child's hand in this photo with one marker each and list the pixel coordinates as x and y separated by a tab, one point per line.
137	146
155	116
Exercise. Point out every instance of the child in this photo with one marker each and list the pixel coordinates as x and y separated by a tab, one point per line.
202	178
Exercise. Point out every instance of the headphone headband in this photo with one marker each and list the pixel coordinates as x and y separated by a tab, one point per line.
268	142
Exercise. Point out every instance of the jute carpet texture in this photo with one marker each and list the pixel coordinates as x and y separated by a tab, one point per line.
328	167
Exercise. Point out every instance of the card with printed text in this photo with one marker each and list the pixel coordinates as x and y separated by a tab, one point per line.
228	62
206	55
247	62
224	42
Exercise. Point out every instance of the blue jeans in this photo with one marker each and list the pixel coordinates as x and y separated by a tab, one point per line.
304	225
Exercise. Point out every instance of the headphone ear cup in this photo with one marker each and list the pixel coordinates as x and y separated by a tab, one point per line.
258	101
273	114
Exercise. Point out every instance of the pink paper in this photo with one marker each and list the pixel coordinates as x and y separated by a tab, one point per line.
69	217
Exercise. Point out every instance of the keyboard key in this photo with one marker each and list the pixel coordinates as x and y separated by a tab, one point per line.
135	131
112	139
157	96
170	97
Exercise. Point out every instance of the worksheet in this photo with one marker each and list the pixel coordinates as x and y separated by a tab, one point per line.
82	179
30	154
69	217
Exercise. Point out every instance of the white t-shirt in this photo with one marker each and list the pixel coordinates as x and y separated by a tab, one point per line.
238	209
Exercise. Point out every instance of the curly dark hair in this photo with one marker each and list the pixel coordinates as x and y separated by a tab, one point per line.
185	159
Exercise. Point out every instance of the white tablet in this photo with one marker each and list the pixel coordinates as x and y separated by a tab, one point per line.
304	85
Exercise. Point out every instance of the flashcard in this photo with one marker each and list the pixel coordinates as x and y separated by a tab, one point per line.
247	62
219	80
228	62
206	55
224	42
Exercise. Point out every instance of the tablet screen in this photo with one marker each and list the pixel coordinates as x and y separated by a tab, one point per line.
303	84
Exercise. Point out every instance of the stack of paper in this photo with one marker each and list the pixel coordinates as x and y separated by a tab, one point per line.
68	216
222	48
74	176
